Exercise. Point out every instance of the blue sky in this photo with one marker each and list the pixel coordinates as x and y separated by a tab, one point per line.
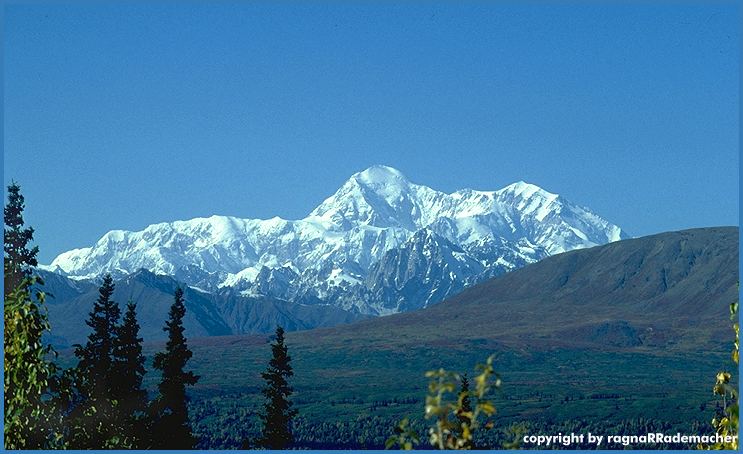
119	115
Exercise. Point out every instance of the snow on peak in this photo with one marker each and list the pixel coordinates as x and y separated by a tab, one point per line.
383	183
379	196
525	190
374	211
380	175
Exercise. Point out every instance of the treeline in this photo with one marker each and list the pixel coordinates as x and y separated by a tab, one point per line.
100	402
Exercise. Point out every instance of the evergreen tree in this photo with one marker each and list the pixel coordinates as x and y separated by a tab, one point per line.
171	428
96	425
126	385
27	369
278	411
19	259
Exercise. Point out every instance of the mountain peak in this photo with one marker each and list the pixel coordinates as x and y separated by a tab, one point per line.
380	174
378	196
523	189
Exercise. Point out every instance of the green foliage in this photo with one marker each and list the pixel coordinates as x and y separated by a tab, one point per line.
405	436
170	427
455	420
726	423
29	422
466	410
278	411
514	433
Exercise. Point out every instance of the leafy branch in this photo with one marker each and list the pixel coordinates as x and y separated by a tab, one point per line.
455	419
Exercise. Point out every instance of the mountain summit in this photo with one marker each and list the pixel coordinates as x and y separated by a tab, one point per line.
333	254
379	196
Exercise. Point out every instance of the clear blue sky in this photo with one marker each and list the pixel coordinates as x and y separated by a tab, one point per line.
122	115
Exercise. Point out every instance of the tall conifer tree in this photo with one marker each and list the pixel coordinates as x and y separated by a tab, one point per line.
278	411
18	259
171	427
128	373
96	421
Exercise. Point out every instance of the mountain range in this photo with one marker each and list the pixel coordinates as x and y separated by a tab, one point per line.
379	245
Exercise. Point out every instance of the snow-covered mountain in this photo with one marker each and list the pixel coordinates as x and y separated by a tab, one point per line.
379	245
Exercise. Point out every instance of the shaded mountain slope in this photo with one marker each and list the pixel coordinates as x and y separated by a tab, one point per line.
665	290
207	314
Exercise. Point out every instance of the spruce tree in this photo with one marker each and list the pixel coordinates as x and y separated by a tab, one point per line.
278	411
19	259
96	421
126	385
27	369
171	428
